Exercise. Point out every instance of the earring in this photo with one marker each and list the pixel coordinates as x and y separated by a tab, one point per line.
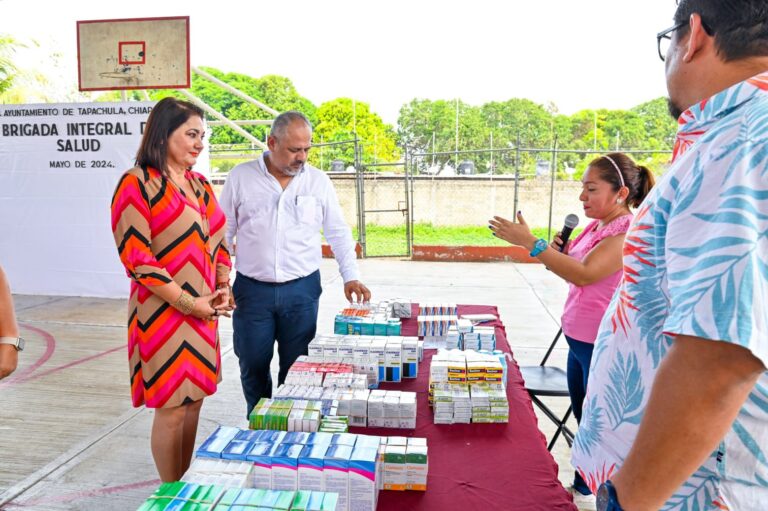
619	201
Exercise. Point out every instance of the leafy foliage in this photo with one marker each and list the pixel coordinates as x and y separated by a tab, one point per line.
341	120
8	70
431	127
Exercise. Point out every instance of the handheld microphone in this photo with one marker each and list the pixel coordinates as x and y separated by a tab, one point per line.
571	221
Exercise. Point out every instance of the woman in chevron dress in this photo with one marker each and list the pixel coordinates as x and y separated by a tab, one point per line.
169	231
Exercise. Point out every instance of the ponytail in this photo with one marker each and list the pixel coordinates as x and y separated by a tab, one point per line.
646	183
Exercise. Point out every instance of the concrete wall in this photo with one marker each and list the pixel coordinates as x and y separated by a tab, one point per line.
459	200
462	200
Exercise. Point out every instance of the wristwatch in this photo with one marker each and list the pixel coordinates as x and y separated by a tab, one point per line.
16	342
607	499
539	246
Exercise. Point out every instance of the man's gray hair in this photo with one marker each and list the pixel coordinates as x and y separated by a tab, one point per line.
285	119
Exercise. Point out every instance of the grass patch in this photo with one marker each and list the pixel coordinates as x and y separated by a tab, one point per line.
391	240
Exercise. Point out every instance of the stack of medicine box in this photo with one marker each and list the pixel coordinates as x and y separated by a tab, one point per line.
334	424
392	409
452	405
401	308
367	319
393	357
484	367
333	348
438	309
285	415
489	403
186	496
448	392
434	319
454	374
327	397
379	408
435	326
305	371
220	472
405	464
347	464
464	336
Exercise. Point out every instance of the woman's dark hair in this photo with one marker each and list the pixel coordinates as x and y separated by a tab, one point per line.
165	118
637	178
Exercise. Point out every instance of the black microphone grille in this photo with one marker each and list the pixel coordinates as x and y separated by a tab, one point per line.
571	221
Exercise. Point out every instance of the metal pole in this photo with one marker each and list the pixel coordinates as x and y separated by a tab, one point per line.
594	148
491	169
354	119
199	102
361	234
234	91
517	173
456	157
411	214
408	219
552	187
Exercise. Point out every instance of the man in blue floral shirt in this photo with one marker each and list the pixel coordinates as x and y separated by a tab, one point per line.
676	412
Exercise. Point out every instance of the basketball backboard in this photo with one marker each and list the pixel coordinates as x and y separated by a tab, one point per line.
125	54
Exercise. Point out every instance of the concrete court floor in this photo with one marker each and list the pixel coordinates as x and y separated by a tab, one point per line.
70	440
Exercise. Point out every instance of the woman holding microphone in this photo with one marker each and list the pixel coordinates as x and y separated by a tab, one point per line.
591	263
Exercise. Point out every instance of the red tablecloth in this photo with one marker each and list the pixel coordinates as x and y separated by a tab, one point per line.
478	466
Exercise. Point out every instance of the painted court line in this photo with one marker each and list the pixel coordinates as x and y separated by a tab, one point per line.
85	494
29	373
71	455
50	347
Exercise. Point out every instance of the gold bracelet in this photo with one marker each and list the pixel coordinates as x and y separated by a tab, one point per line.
222	285
185	304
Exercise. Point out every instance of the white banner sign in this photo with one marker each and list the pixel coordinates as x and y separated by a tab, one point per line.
59	165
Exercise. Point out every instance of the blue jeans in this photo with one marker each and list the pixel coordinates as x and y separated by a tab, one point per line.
286	312
579	360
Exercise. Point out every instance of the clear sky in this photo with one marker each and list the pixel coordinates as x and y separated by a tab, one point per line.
576	54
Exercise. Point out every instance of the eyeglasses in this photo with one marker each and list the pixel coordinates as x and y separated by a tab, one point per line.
664	37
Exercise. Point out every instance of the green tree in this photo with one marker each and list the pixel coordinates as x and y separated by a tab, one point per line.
659	126
623	129
520	120
8	70
516	116
276	92
427	126
23	85
338	121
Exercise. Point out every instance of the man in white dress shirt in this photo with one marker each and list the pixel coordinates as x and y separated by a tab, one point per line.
276	206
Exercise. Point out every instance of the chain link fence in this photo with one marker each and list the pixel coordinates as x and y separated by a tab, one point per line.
447	198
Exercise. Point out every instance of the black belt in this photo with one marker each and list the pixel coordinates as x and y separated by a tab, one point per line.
275	284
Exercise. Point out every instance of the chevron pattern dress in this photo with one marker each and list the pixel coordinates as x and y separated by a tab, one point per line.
162	235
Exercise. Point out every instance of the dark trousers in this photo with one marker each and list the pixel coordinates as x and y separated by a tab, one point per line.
286	312
579	360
